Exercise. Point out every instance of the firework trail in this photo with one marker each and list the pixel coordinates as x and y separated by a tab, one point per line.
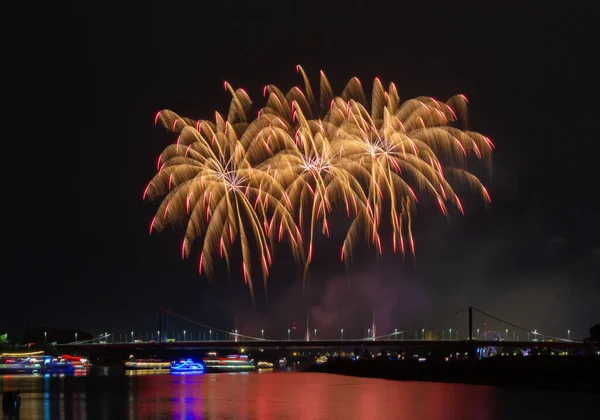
282	173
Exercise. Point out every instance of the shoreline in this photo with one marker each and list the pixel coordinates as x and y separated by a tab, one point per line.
566	374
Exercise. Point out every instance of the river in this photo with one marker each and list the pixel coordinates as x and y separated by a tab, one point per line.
282	395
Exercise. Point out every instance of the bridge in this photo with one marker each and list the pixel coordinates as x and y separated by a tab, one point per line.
450	345
394	340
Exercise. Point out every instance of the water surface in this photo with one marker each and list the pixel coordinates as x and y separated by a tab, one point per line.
282	395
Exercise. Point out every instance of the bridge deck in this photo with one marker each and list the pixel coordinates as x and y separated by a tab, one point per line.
323	344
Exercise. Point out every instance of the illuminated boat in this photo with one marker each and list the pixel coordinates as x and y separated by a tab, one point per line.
231	363
58	365
264	365
321	360
39	353
79	363
21	365
146	364
186	367
36	364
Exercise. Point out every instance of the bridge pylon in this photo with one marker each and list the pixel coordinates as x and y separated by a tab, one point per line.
470	323
162	326
471	340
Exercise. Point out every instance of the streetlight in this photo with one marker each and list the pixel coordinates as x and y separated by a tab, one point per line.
568	334
184	335
423	334
478	333
396	334
106	337
288	334
342	331
450	334
236	336
45	337
368	333
315	333
209	335
262	334
158	336
506	335
75	336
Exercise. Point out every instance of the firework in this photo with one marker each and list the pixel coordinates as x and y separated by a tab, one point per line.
282	173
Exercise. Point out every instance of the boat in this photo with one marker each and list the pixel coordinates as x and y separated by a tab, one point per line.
187	367
231	363
35	364
79	363
19	365
321	360
59	365
146	364
264	365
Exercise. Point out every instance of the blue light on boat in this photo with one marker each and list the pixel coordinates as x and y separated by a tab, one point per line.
187	367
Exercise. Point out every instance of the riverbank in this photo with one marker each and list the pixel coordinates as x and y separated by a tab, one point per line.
580	374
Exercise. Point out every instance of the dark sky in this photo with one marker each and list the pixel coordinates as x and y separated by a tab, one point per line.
86	91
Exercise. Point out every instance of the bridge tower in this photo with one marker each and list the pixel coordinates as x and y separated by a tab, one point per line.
471	323
471	341
162	326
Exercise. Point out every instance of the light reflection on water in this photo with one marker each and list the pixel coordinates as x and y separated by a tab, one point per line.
279	395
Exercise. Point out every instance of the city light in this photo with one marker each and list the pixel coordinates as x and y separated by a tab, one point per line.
342	332
262	334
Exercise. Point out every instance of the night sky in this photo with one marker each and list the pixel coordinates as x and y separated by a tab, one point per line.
76	241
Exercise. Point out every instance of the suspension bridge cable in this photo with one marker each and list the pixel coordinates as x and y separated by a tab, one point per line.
429	323
518	326
210	327
127	328
443	318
